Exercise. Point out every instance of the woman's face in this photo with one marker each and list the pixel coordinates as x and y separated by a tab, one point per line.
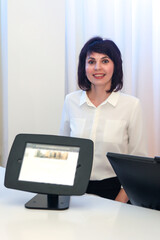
99	69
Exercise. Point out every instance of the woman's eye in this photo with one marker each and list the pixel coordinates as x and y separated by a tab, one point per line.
105	61
90	62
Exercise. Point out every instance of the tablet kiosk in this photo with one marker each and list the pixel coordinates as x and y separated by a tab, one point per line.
55	167
140	178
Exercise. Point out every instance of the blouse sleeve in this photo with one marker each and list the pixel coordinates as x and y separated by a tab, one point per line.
65	122
137	135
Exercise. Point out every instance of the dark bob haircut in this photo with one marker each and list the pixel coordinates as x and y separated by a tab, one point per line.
108	47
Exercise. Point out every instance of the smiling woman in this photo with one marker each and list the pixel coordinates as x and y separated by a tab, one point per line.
112	120
99	70
135	27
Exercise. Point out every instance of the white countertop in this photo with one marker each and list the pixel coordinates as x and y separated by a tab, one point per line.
88	217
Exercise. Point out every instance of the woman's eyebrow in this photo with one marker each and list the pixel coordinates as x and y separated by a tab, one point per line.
105	57
101	58
90	57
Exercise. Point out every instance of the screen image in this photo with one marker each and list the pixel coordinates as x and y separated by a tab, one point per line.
49	164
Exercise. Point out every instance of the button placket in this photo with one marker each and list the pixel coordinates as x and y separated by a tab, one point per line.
95	124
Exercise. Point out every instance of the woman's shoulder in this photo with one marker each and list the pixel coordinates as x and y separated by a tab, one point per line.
74	94
127	101
129	98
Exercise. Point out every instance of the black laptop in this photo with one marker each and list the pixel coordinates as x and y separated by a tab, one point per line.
140	178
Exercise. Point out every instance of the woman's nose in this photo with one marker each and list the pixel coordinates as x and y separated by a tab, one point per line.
97	66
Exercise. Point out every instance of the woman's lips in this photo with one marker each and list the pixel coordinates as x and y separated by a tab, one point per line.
98	75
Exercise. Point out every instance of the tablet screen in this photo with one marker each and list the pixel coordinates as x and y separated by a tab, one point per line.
49	164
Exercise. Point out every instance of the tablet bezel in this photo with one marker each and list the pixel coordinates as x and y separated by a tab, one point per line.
83	169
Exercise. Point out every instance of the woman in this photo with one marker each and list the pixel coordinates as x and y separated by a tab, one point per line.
99	111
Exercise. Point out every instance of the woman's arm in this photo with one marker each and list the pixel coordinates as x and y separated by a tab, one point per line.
136	131
65	122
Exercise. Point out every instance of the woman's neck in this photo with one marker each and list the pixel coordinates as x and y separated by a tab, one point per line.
97	95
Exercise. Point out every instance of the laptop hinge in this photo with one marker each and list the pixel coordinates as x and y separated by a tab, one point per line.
157	159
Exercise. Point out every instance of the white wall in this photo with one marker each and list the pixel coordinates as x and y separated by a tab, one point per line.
34	85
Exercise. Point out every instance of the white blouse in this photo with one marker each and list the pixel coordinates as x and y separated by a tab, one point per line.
114	126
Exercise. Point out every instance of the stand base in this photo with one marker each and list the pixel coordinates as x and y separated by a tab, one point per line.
50	202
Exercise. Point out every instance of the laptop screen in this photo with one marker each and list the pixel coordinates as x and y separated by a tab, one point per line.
140	178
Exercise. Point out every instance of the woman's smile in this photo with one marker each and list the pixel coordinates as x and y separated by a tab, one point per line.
99	75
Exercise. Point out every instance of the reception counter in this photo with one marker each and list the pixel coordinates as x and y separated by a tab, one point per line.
88	217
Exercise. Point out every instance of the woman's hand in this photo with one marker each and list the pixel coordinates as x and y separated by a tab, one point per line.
122	196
